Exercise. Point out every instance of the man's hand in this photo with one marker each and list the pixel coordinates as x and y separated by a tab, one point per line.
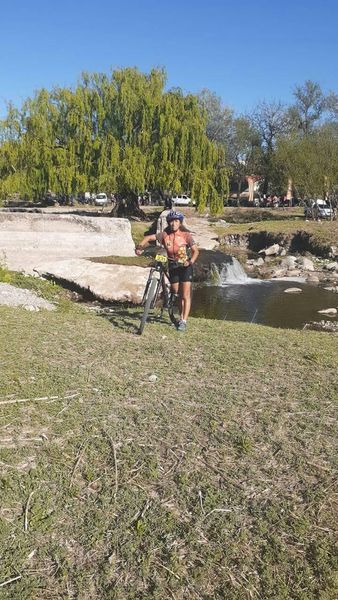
138	250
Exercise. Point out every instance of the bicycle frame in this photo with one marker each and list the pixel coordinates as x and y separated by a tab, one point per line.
158	280
158	272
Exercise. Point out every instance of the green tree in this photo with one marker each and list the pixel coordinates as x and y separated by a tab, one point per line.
310	104
311	161
122	133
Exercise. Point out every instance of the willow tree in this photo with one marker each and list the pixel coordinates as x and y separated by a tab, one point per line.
121	133
183	158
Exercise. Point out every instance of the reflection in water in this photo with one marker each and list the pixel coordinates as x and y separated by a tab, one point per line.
263	302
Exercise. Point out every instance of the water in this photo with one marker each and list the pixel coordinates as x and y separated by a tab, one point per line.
229	297
230	272
263	302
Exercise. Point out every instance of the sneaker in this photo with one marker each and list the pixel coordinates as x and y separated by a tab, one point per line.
182	325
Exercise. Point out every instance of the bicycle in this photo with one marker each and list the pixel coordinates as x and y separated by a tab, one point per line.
158	281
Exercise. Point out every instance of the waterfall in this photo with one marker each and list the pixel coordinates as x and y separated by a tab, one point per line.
228	273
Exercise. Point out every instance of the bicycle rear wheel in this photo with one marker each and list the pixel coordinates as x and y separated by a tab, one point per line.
150	297
173	310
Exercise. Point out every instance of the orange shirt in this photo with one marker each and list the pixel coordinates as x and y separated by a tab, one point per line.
176	244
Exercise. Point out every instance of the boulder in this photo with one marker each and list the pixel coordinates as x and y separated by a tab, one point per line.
293	290
332	266
29	239
258	262
306	264
294	273
289	262
271	251
328	311
107	282
279	273
313	278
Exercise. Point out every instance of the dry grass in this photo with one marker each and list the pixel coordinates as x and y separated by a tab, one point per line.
216	480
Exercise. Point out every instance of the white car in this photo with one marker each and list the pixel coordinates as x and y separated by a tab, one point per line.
101	200
319	209
182	200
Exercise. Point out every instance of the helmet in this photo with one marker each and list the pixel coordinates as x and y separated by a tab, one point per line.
173	214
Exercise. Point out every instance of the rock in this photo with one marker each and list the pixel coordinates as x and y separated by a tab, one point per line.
30	239
271	251
313	278
294	273
289	262
293	290
332	266
328	311
306	264
258	262
282	252
330	326
152	378
279	273
331	289
13	296
109	282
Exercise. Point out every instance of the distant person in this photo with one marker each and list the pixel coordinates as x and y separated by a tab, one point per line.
168	203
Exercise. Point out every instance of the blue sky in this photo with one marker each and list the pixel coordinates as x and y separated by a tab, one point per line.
244	51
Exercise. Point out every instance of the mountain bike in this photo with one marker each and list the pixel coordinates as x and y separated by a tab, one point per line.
158	286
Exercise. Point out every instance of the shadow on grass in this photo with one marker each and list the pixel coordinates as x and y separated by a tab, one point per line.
128	319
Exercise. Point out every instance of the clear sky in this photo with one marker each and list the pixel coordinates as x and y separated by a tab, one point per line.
243	50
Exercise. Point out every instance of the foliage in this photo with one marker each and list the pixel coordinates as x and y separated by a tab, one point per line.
311	161
124	134
309	106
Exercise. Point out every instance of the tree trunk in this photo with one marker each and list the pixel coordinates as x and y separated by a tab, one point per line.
127	206
239	187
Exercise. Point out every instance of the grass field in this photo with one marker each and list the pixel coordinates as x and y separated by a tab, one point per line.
164	466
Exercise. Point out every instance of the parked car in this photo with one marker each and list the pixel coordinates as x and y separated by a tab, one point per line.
101	199
182	200
319	209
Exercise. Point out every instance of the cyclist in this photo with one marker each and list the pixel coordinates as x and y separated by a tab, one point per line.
176	239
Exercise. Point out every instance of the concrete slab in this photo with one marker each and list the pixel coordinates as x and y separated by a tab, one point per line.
27	240
107	282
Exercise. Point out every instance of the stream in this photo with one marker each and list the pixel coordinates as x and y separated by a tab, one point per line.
232	295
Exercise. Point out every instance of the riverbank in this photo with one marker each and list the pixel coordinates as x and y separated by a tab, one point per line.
164	466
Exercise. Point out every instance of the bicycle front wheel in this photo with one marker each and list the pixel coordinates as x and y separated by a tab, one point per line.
150	297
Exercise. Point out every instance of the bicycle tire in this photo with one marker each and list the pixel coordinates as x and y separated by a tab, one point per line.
173	308
149	299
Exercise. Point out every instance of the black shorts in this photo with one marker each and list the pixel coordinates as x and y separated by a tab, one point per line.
181	274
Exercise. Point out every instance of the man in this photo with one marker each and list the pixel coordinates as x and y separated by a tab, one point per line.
179	243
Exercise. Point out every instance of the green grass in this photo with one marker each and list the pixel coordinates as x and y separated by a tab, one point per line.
322	233
130	261
249	215
214	481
